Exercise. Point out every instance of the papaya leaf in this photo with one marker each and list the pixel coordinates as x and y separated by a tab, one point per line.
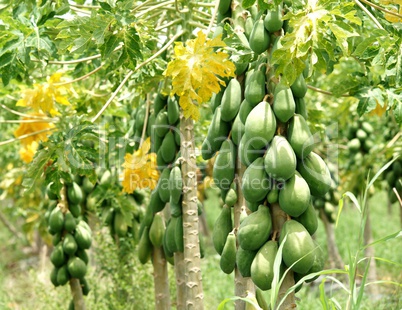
369	98
398	113
247	3
383	168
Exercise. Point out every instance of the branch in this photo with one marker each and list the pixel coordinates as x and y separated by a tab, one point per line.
211	22
25	136
319	90
376	22
381	8
23	114
10	227
19	121
173	22
85	6
130	73
144	127
80	78
155	7
397	196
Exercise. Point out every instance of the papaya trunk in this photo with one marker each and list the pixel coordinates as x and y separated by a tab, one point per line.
180	281
161	280
279	217
369	252
243	286
76	291
192	257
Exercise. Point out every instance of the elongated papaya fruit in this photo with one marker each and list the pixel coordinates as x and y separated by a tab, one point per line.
284	105
157	230
300	137
228	257
255	87
222	228
273	20
280	159
231	100
260	125
262	268
259	37
255	182
225	165
295	196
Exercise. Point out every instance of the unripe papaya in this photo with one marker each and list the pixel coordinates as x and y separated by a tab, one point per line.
254	231
150	124
299	87
231	100
175	184
58	257
254	91
83	236
298	247
155	202
69	222
83	255
216	100
175	208
56	238
85	286
140	117
295	196
284	105
228	257
224	6
248	26
163	185
119	224
316	173
69	245
157	230
62	275
74	193
280	159
300	137
144	247
262	268
319	261
308	219
159	103
245	109
273	20
225	165
247	153
168	148
231	198
56	220
255	182
237	130
53	276
76	267
170	233
259	37
161	124
222	228
50	194
354	145
367	127
260	125
106	178
301	107
244	260
173	111
178	235
273	196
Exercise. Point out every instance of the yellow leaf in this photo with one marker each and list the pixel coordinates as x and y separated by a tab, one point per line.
196	71
28	128
27	152
379	110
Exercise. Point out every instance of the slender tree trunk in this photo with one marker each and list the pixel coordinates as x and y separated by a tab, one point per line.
279	217
180	281
76	291
369	252
192	257
161	280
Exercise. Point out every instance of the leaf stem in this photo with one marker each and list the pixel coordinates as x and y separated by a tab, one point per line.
80	78
154	7
201	19
319	90
18	121
144	127
381	8
26	136
211	22
82	6
80	11
204	4
23	114
371	16
174	22
132	71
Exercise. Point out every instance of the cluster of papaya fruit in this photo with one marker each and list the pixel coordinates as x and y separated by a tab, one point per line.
394	179
360	135
260	121
72	236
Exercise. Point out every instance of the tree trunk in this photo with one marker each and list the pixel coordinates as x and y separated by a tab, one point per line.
192	257
180	281
369	252
161	280
76	291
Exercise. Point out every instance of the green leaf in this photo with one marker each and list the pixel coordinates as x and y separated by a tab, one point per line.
368	99
6	58
132	46
247	3
398	113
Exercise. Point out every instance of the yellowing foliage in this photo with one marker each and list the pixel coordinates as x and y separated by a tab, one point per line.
27	152
140	169
196	71
392	18
43	96
28	128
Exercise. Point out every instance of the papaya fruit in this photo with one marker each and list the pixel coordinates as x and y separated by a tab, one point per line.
163	185
231	100
361	135
144	247
76	267
178	234
62	275
262	267
309	219
56	238
69	222
255	182
368	128
273	20
160	102
155	202
150	124
300	137
225	165
301	107
119	224
260	125
168	147
175	184
222	228
106	179
248	26
244	260
273	196
83	255
315	172
237	130
49	191
298	249
140	117
259	37
83	236
280	159
354	145
319	261
284	105
161	126
53	276
295	196
87	185
224	6
170	233
231	197
254	231
157	230
173	111
244	111
228	258
299	87
58	257
165	246
69	245
216	100
254	91
56	220
74	193
241	67
85	286
175	208
261	299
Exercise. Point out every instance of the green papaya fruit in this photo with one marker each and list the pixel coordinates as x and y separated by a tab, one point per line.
260	125
396	168
166	248
119	224
216	100
295	196
161	126
173	111
168	147
298	249
284	105
273	20
261	299
244	260
244	111
247	153
83	237
85	286
150	124
301	107
175	208
228	257
231	198
69	222
273	196
248	26
254	231
83	255
259	37
87	185
144	247
354	145
50	194
170	233
157	230
74	193
315	172
300	137
231	100
361	135
177	137
69	245
140	117
56	220
299	87
262	268
106	178
155	202
53	276
160	102
225	165
254	91
319	261
107	216
163	185
318	203
280	159
255	182
241	67
62	275
76	267
58	257
237	130
175	184
367	127
222	228
308	219
56	238
224	6
178	234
